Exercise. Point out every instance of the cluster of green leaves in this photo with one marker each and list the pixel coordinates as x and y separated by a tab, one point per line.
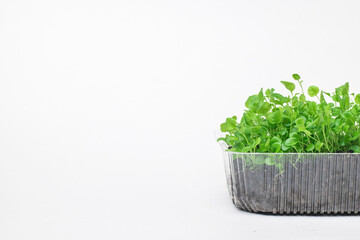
274	123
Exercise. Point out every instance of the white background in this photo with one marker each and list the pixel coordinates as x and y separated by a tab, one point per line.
107	111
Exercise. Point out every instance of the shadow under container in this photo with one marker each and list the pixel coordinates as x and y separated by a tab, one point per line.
291	183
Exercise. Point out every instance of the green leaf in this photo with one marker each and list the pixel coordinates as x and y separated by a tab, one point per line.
291	142
252	102
261	95
336	98
326	93
255	130
310	147
238	146
296	76
283	132
275	140
229	125
356	149
276	147
225	128
278	98
289	85
275	144
255	143
302	98
294	135
313	91
342	142
269	92
300	121
275	117
357	99
304	130
322	99
231	140
349	118
267	143
335	111
342	90
318	146
284	147
354	136
347	115
264	108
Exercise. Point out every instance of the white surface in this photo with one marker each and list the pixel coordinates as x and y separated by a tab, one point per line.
107	111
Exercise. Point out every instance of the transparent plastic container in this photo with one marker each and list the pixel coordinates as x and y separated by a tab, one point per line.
291	183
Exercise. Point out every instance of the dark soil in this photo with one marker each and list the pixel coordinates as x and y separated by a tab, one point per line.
350	151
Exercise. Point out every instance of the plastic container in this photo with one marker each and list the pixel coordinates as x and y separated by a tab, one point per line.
294	183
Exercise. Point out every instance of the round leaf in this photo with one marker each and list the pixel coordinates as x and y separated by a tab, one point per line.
275	117
357	98
313	91
284	147
300	120
296	76
275	140
291	142
275	147
294	135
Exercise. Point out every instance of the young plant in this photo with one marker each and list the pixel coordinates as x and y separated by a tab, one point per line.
274	123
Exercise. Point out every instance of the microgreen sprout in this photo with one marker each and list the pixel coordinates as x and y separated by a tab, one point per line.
274	123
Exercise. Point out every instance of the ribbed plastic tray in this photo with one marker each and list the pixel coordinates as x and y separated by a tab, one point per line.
295	183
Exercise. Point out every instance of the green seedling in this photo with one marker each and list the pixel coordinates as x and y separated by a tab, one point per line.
319	123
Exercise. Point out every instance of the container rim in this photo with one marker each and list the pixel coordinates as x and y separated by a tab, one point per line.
257	153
